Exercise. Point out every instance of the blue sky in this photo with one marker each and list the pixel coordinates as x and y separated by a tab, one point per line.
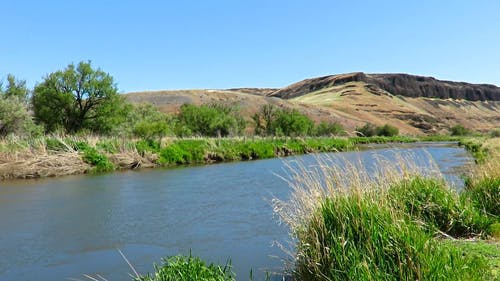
152	45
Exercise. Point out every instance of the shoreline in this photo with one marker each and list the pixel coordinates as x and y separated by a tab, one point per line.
59	156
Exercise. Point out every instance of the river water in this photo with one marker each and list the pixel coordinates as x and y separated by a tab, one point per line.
61	228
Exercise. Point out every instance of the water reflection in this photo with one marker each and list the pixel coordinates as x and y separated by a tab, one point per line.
53	229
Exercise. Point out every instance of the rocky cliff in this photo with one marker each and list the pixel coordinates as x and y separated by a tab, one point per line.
397	84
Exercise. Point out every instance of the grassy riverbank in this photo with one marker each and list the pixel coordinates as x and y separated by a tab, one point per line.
403	224
395	226
64	155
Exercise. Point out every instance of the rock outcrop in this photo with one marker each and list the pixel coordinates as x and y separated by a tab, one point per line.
397	84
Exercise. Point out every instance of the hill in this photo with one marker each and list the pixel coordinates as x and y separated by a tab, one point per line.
415	104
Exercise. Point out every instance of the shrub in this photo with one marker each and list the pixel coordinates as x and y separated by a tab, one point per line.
209	120
495	133
292	123
329	129
15	118
271	120
459	130
368	130
100	162
181	268
148	145
387	131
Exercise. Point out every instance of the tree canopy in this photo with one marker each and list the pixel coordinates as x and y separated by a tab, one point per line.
14	113
77	98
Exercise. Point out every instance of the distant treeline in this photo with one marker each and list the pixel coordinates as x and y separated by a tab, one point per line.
84	100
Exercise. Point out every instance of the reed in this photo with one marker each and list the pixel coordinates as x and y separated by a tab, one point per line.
349	223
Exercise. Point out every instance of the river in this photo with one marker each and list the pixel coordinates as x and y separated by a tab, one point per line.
61	228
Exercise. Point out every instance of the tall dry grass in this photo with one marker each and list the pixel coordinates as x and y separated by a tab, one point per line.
346	226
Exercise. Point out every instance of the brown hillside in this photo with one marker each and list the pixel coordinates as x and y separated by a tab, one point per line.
397	84
415	104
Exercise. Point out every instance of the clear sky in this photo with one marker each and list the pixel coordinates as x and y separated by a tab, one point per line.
152	45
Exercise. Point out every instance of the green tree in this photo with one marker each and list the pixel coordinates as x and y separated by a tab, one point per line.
77	98
15	89
14	114
146	121
292	123
459	130
214	120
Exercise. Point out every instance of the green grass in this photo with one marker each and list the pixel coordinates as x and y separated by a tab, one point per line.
482	249
188	268
355	237
439	208
485	195
475	147
349	224
100	162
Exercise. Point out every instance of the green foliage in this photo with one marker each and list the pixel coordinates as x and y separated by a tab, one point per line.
485	195
329	129
147	122
430	201
144	146
55	144
387	130
182	268
293	123
78	98
15	119
109	146
357	237
459	130
495	133
100	162
14	114
184	152
369	130
475	147
15	89
273	121
214	120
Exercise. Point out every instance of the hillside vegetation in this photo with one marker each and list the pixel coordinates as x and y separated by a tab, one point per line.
414	104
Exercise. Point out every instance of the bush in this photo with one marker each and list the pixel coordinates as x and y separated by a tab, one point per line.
144	146
459	130
387	131
368	130
329	129
15	118
271	120
495	133
100	162
209	120
181	268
